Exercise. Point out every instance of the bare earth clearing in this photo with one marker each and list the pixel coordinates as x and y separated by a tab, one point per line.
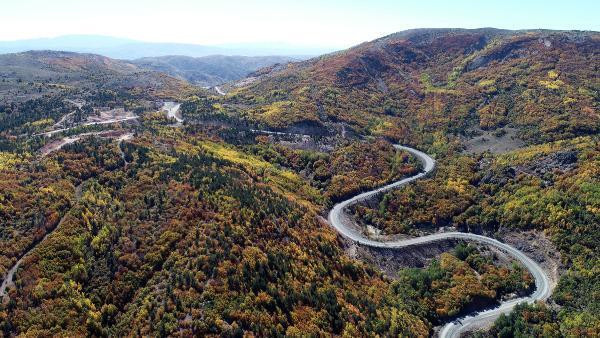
496	142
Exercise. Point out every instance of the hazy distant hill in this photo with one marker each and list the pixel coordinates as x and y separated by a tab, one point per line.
84	69
119	48
210	70
33	74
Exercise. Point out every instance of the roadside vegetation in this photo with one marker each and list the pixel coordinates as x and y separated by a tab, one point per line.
213	227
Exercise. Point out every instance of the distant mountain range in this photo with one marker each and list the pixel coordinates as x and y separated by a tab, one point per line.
119	48
210	70
207	71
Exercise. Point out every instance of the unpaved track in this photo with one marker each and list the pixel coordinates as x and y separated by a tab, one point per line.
7	281
340	221
59	144
120	140
8	278
96	123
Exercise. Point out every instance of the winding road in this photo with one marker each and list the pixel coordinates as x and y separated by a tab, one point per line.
221	92
173	111
95	123
343	224
8	282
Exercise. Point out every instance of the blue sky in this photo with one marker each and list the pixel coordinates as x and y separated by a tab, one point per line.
332	23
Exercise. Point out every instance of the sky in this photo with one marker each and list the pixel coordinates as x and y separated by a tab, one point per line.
323	23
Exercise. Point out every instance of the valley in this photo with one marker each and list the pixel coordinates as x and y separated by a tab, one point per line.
210	71
291	200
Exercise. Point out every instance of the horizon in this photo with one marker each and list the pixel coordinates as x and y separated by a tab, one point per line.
283	168
334	25
129	39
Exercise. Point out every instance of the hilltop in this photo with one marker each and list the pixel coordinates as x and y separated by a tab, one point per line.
33	74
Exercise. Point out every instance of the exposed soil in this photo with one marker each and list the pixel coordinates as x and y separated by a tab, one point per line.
497	142
111	115
55	145
390	261
539	248
99	118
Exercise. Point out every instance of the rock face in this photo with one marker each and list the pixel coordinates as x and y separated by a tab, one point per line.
561	161
390	261
503	52
312	128
539	247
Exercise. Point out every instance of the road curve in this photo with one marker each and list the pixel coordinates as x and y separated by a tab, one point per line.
220	91
173	111
339	220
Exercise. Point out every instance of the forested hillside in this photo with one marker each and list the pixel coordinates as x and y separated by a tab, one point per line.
133	203
417	85
30	75
513	117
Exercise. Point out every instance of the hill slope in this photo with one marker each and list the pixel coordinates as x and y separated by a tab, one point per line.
541	82
211	227
30	75
532	98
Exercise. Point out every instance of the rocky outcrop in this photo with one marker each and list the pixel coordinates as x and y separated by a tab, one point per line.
563	161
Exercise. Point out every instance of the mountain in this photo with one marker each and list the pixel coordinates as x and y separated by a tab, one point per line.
72	43
69	66
119	48
145	226
57	63
210	70
133	203
543	83
512	119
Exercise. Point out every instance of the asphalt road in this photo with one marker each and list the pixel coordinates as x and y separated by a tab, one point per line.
339	220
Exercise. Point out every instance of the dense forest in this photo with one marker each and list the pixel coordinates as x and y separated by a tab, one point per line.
458	94
206	239
216	226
